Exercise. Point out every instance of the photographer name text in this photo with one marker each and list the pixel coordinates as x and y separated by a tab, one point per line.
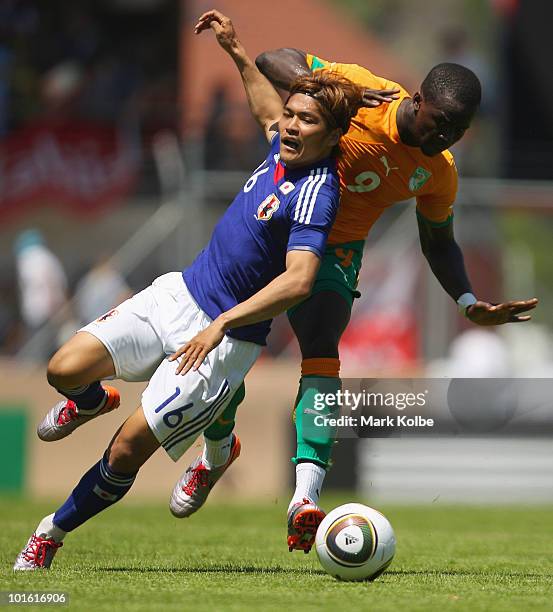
400	420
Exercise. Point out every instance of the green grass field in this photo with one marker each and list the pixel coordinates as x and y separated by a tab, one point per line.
138	557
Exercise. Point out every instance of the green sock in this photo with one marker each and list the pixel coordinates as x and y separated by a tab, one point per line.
315	441
224	424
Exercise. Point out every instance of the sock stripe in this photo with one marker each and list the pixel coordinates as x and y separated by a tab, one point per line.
112	478
77	390
116	483
107	471
88	397
321	366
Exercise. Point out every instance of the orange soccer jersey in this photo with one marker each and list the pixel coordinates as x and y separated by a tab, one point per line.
377	170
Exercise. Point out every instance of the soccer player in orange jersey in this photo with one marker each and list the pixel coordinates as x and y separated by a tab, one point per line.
395	149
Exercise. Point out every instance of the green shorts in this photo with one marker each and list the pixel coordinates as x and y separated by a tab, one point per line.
339	271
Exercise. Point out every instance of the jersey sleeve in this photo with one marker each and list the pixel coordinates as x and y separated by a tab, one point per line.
312	212
358	74
275	143
316	63
437	206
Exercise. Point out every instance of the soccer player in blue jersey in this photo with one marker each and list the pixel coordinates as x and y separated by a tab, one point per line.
262	258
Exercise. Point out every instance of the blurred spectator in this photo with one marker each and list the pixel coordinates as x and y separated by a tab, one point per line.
89	66
6	60
60	89
456	47
215	141
476	353
42	284
91	59
100	290
232	139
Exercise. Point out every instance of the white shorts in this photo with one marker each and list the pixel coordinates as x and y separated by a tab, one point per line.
142	331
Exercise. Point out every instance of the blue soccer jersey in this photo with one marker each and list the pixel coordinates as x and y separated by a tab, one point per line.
278	210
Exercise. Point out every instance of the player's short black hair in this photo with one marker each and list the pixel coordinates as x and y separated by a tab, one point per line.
454	83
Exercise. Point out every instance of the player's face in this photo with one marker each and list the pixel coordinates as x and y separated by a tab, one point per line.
304	134
439	126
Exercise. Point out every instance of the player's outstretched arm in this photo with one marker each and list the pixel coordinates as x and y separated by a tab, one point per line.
484	313
283	292
283	66
265	103
446	261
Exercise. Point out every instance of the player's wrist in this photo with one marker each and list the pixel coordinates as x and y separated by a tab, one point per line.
465	301
223	322
237	51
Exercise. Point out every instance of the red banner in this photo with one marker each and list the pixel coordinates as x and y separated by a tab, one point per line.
382	341
83	167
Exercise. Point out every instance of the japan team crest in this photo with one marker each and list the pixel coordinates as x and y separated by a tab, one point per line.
267	208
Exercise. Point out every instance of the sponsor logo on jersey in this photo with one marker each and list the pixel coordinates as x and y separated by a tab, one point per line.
287	187
386	164
267	208
343	274
419	178
111	313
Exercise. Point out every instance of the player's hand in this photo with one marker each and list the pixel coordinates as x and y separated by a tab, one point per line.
483	313
221	25
196	350
375	97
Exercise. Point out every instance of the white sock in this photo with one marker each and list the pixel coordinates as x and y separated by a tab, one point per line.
216	452
47	528
309	482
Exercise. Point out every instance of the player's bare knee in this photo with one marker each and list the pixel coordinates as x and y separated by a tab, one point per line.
122	456
64	371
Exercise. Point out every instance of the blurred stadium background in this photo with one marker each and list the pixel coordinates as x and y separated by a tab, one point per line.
123	138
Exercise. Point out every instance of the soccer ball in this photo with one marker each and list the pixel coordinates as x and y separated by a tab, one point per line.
355	542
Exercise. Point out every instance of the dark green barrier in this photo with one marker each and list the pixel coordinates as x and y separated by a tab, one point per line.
13	459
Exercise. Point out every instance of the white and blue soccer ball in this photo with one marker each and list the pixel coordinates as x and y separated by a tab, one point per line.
355	542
